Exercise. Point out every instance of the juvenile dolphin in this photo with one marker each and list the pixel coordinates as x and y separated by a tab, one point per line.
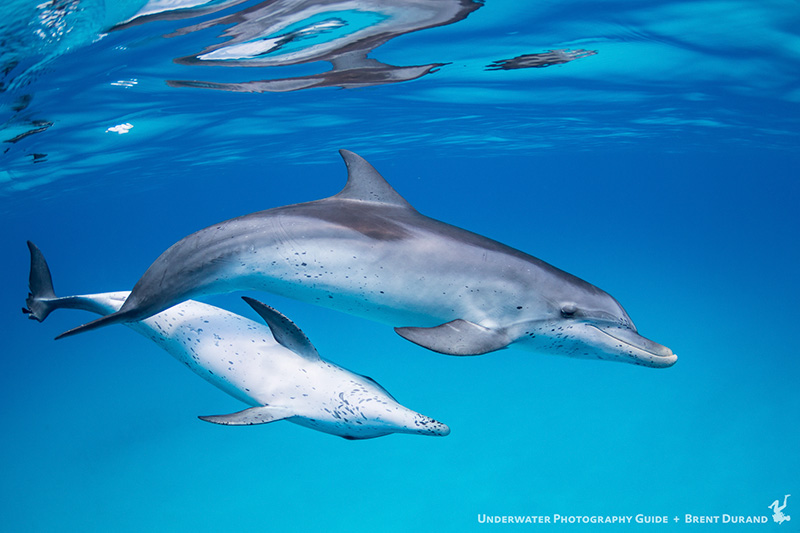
366	251
275	369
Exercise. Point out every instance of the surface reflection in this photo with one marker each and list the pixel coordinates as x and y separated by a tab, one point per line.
292	32
544	59
18	125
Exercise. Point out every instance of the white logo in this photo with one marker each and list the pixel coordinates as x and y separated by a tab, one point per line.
777	511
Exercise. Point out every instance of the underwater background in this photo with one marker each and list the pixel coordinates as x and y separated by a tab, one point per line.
650	148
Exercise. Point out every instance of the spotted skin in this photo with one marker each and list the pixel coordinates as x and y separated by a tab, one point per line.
243	358
367	252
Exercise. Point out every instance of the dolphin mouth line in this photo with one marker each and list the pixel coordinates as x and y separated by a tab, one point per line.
648	346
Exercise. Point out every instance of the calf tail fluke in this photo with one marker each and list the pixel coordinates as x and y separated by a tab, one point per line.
42	298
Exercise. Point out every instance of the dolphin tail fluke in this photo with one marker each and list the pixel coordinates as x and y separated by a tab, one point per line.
113	318
42	298
459	337
249	417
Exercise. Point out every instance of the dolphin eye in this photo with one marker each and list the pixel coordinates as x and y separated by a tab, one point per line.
569	310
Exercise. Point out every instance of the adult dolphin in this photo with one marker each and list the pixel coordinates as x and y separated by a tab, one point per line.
274	367
366	251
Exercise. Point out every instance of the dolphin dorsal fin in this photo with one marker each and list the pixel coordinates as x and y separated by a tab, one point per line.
364	183
286	333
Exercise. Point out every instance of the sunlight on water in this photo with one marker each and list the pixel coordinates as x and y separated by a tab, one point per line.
497	75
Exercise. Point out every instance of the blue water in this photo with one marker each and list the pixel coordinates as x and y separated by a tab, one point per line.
663	169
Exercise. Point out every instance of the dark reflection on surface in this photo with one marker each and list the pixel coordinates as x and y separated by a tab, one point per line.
30	39
38	126
544	59
364	72
17	120
294	32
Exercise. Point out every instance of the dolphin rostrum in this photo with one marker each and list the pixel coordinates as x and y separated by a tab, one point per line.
367	252
275	369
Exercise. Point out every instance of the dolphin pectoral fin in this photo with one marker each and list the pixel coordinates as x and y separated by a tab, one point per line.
459	337
249	417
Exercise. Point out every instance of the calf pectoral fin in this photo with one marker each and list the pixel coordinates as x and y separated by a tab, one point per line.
249	417
459	337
